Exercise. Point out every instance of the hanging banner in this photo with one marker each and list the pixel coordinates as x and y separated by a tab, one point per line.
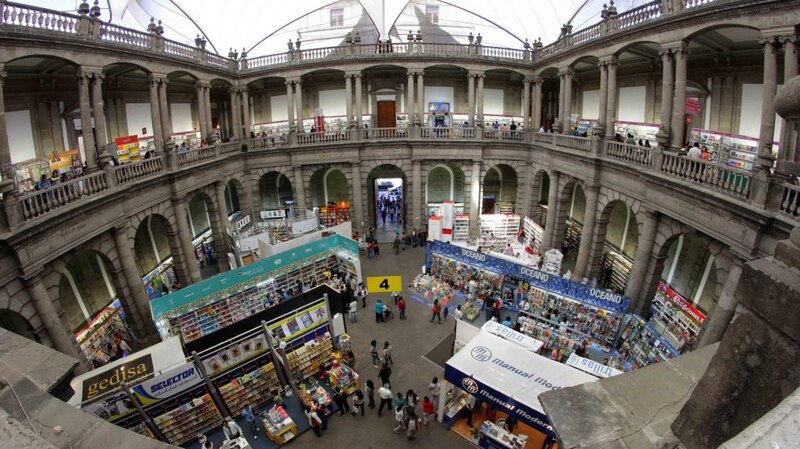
682	304
509	334
598	297
592	367
169	384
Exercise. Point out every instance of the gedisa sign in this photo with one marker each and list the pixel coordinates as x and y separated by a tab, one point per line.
129	372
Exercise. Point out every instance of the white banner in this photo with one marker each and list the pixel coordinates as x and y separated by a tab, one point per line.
529	343
303	226
169	384
592	367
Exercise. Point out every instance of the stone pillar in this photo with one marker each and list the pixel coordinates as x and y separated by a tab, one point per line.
220	231
789	57
552	212
84	78
410	97
185	238
611	98
358	196
557	123
236	114
565	122
471	99
209	119
679	105
298	104
122	117
475	199
201	109
667	87
348	99
537	103
525	192
770	88
787	151
359	106
721	316
6	169
290	105
134	281
246	112
416	194
421	106
479	99
603	100
643	250
299	190
526	103
166	117
588	234
55	124
62	341
155	115
98	107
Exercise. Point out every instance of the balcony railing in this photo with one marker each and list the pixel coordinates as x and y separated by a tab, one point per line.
505	135
196	155
728	180
629	153
573	142
384	133
543	138
791	200
124	36
24	16
447	133
139	169
44	201
323	137
230	147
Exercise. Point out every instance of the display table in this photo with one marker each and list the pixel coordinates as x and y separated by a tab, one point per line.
315	392
279	425
493	436
453	407
344	378
238	443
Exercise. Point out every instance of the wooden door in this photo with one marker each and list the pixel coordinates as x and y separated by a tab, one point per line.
386	114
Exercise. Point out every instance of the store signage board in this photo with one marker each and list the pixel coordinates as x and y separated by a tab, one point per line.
500	330
592	367
682	304
272	214
494	371
384	284
168	384
605	299
246	275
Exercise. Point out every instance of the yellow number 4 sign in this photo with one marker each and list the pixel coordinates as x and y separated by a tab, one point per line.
384	284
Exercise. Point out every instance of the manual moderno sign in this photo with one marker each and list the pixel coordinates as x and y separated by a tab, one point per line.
509	378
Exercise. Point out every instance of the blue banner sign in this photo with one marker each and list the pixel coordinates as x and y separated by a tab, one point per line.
598	297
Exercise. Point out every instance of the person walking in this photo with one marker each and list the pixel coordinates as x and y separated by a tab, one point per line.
362	295
396	245
395	296
428	412
358	403
354	311
387	353
437	310
386	398
398	418
411	426
314	420
340	399
249	415
231	430
373	351
385	373
435	388
370	387
322	412
379	311
401	306
445	309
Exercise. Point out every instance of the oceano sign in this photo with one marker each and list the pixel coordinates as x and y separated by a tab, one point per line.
540	276
473	255
606	295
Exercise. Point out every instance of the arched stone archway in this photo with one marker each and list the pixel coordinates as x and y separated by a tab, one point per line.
390	195
541	196
16	323
445	182
206	232
233	190
615	240
499	190
155	246
274	188
328	184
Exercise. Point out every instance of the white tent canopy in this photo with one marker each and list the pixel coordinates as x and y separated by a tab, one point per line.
510	379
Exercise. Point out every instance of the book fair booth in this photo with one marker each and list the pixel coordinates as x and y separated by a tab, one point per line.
494	381
222	350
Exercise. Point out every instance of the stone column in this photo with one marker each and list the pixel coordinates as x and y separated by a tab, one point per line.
552	212
209	119
565	117
236	114
479	99
475	199
770	88
55	124
537	103
134	281
358	196
246	113
588	234
221	243
166	117
557	123
359	106
788	134
348	99
201	109
421	106
98	107
524	191
526	103
667	87
611	98
84	78
298	104
122	117
603	100
290	104
410	97
299	190
645	246
6	169
416	194
155	115
471	99
62	341
721	316
679	105
184	235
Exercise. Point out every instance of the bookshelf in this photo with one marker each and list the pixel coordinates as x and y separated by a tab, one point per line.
534	232
642	345
306	358
541	214
332	216
461	228
251	382
180	419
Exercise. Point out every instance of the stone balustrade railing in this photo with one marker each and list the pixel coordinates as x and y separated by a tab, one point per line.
638	15
139	169
790	205
125	36
231	147
322	137
629	153
543	138
505	135
41	202
196	155
448	133
24	16
573	142
725	179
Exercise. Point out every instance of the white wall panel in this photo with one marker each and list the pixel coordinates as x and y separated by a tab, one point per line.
632	102
279	108
20	135
493	102
138	116
333	102
439	94
591	104
750	118
181	117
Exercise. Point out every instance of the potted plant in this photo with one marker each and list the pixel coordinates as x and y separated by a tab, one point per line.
475	433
